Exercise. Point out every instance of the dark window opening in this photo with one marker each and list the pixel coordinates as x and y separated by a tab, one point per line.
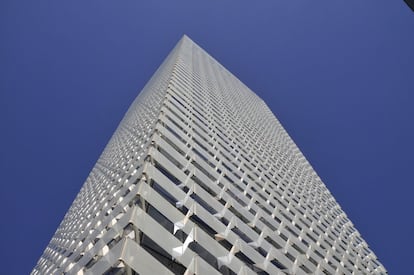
204	254
160	218
161	255
205	227
166	173
278	264
241	234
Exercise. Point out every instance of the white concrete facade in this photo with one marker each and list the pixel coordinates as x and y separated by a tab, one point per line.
201	178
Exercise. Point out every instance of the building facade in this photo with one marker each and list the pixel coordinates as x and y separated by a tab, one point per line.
201	178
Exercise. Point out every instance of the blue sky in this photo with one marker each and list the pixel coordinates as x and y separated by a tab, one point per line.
337	74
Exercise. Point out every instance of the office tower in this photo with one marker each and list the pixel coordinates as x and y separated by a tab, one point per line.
201	178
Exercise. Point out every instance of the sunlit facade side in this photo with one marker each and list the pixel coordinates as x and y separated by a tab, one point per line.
201	178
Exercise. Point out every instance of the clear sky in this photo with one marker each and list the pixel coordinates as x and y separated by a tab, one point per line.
339	75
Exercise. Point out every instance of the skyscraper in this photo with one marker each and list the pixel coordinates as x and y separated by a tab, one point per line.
201	178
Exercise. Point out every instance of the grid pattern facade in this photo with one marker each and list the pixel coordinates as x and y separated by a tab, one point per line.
201	178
